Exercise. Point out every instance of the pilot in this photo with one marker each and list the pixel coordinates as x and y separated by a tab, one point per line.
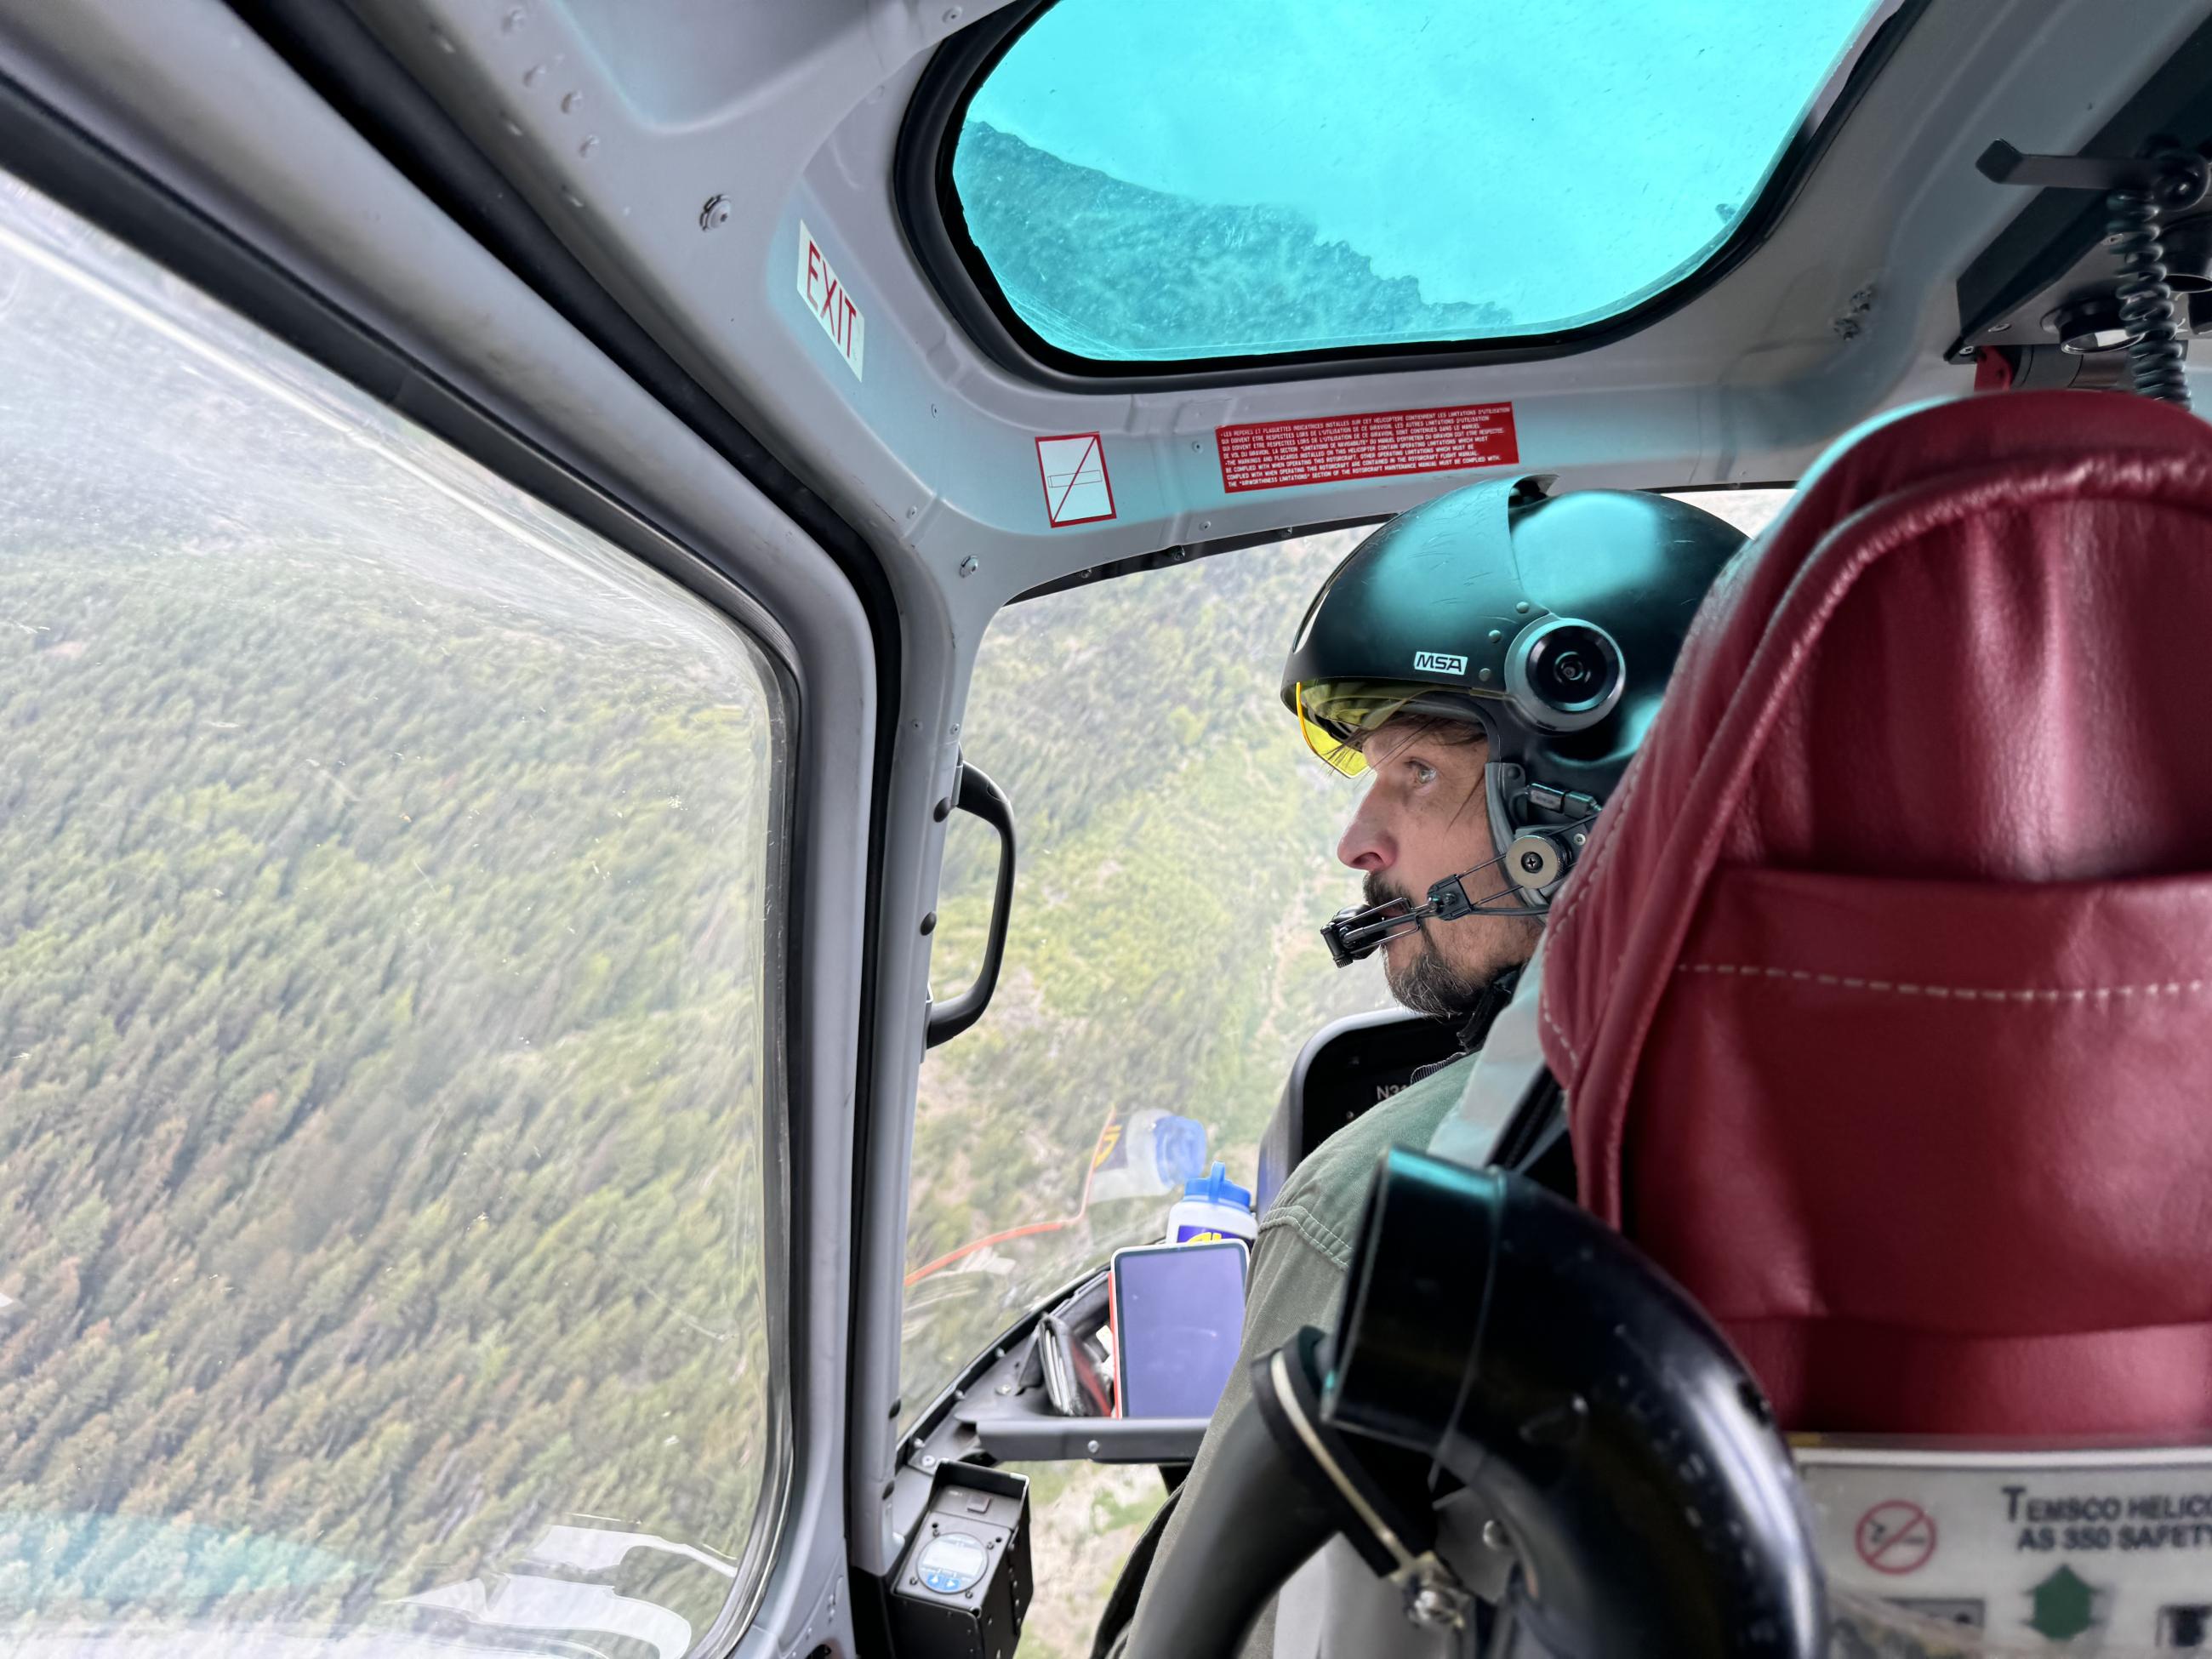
1489	660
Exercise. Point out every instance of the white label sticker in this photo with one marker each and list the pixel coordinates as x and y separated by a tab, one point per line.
1435	662
2106	1546
830	302
1076	487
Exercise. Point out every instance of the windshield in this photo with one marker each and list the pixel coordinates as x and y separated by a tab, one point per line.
1151	1008
1150	181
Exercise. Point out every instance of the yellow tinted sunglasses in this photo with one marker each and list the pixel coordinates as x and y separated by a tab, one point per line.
1348	710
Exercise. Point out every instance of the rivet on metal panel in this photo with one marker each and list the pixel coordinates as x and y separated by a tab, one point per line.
534	75
952	14
514	19
969	567
716	214
1091	1446
589	144
571	198
569	102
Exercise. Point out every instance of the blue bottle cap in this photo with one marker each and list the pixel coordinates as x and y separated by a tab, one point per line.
1216	1187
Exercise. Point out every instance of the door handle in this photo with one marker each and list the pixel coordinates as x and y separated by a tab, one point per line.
977	795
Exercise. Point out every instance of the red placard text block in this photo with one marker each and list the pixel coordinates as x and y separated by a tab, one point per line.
1277	454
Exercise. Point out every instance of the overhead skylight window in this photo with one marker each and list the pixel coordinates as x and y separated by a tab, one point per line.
1160	181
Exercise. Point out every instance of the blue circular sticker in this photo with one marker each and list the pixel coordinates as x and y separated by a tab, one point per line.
950	1562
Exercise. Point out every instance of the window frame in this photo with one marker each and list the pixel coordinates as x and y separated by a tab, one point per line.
48	150
936	229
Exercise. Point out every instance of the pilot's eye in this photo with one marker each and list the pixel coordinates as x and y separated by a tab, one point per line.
1422	772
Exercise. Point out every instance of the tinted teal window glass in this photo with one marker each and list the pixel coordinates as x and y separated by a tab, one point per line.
1159	180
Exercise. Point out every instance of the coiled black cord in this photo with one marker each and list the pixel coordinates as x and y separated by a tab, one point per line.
2146	297
2140	193
2136	229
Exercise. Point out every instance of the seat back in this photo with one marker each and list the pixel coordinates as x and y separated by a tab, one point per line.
1883	997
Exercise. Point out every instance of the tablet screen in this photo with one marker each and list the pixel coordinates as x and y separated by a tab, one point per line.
1178	1317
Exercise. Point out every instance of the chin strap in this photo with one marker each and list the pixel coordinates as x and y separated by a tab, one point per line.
1535	863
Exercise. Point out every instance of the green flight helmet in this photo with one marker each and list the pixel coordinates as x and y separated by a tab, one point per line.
1551	620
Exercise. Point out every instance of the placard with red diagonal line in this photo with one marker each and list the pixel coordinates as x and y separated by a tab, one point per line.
1076	487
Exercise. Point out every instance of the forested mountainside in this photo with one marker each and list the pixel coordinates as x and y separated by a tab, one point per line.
375	1178
383	893
1069	242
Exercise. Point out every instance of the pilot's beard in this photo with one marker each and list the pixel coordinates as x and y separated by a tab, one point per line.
1430	985
1427	984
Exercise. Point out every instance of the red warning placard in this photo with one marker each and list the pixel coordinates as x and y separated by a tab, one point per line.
1276	454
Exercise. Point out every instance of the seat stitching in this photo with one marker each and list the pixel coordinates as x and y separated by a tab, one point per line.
2020	995
1544	1013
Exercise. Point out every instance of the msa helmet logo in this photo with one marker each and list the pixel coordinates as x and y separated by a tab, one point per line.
1435	662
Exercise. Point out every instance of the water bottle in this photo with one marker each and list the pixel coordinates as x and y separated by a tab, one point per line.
1212	1206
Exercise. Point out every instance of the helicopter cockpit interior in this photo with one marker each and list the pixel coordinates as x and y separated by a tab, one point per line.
656	850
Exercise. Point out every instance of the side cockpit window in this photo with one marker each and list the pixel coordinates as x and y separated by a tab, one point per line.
387	867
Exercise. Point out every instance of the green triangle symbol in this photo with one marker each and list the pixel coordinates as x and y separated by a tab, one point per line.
2064	1605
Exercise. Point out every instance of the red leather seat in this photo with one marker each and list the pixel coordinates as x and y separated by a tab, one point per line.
1884	996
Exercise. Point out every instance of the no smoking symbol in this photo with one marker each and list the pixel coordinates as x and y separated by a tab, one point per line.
1896	1537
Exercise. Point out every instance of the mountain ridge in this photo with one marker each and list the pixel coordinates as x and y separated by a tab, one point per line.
1080	254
